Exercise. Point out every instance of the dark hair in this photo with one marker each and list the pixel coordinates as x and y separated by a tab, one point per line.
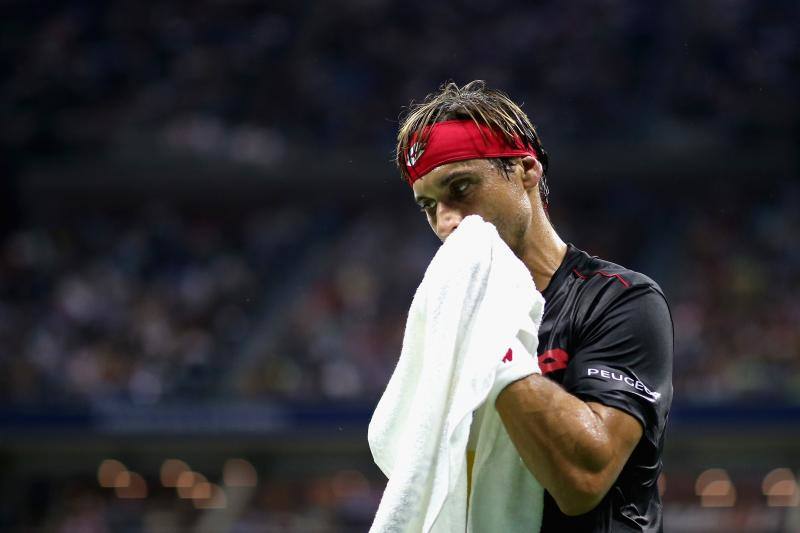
474	101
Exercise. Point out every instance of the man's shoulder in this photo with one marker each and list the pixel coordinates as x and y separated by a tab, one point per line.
598	274
602	286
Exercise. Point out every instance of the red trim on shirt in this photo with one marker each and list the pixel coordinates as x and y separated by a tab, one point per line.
604	274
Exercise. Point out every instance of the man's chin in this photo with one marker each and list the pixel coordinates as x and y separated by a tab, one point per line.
515	244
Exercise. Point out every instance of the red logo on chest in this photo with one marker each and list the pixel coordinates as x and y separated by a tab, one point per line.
509	356
552	360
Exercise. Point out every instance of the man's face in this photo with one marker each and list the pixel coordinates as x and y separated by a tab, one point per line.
450	192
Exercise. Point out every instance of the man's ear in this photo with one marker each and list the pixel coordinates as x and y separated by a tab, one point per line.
532	172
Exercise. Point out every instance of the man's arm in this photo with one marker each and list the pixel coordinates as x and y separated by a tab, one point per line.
576	443
575	449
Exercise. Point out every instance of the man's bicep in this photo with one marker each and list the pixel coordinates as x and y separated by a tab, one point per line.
624	430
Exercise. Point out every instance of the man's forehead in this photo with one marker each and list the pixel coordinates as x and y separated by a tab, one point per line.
439	176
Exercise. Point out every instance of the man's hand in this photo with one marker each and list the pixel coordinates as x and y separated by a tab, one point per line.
575	449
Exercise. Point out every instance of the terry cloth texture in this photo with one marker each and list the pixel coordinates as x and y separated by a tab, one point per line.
471	330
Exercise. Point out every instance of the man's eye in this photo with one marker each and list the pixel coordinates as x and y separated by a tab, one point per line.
461	187
424	206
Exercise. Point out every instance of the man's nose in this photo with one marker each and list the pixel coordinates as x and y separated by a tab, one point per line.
447	220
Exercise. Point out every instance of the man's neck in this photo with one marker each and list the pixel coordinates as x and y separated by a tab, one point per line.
544	252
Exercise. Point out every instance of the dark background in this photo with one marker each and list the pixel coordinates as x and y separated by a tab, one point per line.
206	253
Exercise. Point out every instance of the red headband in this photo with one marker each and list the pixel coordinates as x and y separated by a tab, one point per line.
459	140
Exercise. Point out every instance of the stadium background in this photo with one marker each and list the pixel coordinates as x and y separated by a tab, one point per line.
206	255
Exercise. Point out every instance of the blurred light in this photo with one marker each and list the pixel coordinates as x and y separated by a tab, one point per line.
781	489
122	480
320	493
715	488
170	470
662	484
107	472
136	488
201	491
349	483
188	479
239	473
208	496
186	482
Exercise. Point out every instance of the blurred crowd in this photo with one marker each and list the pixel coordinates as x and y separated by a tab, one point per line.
300	304
245	81
343	326
725	259
735	298
338	501
164	307
342	502
136	310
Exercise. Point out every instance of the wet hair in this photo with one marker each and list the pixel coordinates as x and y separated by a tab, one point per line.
473	101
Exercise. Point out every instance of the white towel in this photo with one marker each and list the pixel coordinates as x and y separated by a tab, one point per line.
475	302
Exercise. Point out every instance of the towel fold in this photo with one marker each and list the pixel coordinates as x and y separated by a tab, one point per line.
471	330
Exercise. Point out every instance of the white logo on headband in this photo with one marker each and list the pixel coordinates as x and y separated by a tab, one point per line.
414	153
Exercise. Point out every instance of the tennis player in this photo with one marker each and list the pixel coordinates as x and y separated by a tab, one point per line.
591	427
